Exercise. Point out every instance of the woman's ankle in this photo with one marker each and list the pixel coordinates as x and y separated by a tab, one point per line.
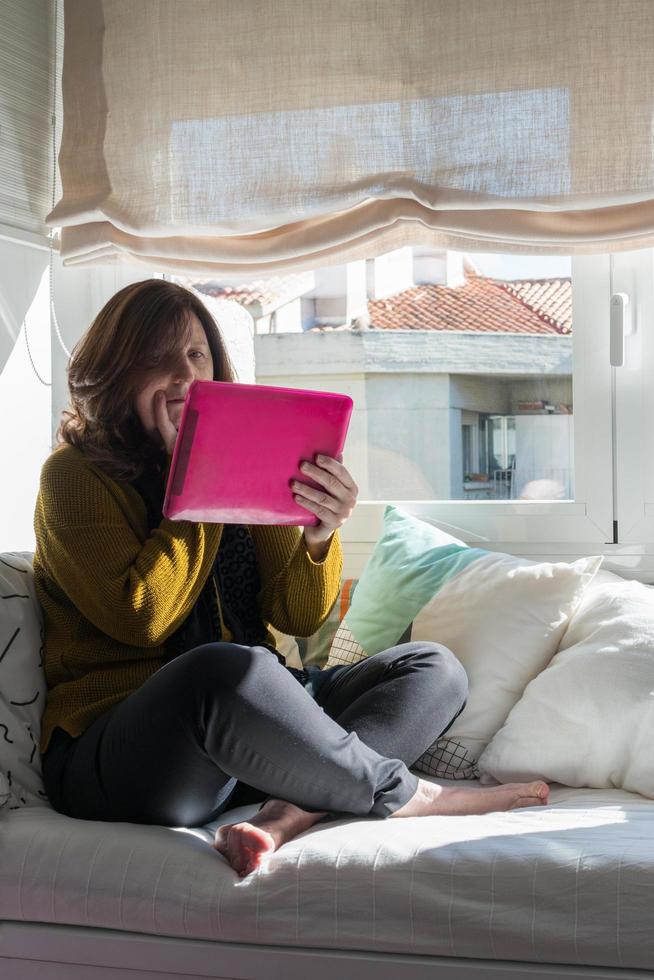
422	801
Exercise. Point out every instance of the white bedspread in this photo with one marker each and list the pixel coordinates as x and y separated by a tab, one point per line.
572	882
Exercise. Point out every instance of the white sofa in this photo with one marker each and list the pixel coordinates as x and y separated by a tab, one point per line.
564	890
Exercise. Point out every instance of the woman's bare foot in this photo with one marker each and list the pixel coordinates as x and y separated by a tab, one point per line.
432	800
246	844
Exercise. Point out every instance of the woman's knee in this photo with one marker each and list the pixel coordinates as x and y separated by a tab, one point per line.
223	665
442	665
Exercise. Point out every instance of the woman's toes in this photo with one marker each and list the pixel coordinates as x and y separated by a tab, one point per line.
244	845
251	863
531	794
523	801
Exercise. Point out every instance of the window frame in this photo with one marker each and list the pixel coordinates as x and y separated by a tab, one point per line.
586	521
604	454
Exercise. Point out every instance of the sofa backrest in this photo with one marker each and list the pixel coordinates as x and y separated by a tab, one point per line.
22	680
22	683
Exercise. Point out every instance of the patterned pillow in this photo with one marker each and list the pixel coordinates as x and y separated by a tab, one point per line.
447	758
314	650
22	684
305	651
502	616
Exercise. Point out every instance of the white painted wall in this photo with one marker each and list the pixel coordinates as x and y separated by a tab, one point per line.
24	388
415	351
31	408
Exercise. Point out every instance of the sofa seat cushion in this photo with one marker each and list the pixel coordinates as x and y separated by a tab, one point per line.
570	882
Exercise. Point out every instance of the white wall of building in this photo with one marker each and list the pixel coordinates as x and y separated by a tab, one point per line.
544	457
406	437
288	318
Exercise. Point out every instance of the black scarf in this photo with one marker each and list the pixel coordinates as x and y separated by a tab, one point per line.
237	578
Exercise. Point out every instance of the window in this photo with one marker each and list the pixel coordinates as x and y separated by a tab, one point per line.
460	368
517	433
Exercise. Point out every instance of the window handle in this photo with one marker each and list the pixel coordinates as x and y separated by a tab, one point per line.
620	327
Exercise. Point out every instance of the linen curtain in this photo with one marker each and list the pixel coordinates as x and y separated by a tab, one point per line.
26	158
207	136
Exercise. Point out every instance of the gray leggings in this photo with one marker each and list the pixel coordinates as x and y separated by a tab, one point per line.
224	724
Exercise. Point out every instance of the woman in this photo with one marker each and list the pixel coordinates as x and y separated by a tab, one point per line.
167	702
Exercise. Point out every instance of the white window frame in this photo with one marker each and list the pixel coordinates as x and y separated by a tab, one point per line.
633	274
609	448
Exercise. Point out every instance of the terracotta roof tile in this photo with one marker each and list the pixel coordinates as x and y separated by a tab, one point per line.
268	293
481	305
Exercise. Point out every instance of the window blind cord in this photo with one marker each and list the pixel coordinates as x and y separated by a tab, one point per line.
53	232
55	76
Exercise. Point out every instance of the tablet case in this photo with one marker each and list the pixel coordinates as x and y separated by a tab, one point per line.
239	446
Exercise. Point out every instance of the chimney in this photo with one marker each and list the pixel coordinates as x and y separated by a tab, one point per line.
438	266
339	294
390	273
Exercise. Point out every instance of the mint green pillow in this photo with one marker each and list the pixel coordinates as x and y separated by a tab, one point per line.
410	563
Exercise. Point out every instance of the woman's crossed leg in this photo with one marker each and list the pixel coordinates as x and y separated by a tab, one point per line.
397	702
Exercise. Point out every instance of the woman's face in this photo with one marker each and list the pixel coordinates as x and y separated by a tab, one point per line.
194	362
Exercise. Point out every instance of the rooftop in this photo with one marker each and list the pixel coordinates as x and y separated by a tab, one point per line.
481	305
261	296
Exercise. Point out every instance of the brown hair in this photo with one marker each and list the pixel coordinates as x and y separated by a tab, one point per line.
139	330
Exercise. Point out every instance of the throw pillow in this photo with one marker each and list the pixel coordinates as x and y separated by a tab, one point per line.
314	650
588	718
22	684
305	651
503	616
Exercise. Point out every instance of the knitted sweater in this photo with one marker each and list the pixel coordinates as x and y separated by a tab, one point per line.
112	591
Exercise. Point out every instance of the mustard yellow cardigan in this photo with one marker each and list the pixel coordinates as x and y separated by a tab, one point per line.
112	591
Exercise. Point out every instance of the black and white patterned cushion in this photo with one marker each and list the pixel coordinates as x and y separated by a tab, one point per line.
22	684
446	758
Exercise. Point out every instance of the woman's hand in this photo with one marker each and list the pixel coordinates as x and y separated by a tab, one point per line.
167	430
333	505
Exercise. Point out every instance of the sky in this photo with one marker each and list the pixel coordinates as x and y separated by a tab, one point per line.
521	266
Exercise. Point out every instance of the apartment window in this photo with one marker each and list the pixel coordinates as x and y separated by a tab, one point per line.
441	357
483	402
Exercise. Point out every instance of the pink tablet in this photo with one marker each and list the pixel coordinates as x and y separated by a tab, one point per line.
239	447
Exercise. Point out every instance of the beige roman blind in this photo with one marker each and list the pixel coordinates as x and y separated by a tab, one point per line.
26	86
220	137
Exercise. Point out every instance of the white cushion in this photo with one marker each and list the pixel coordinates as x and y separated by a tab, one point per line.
503	616
588	718
22	684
